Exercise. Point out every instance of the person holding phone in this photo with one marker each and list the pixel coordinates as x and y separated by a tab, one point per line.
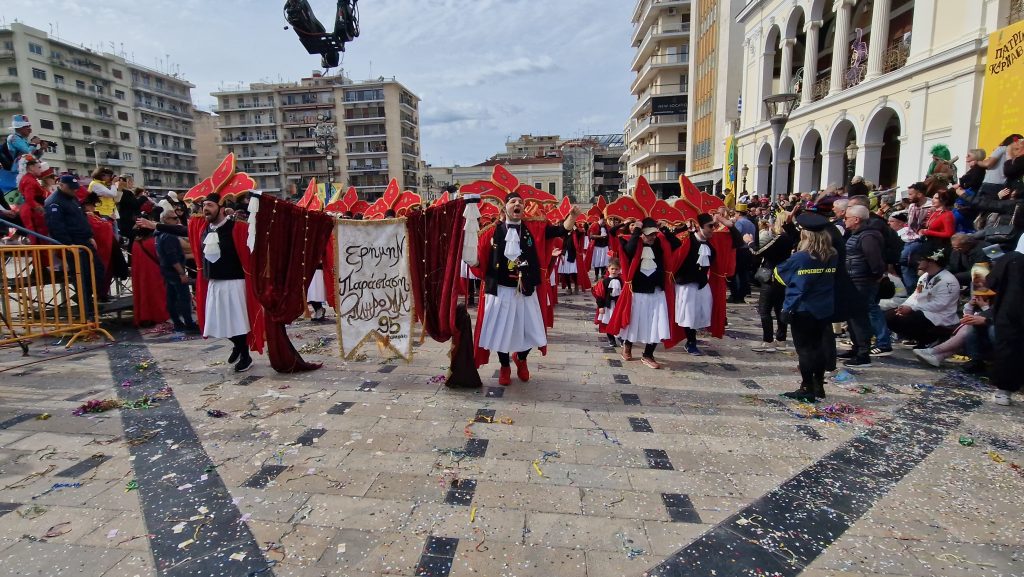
108	189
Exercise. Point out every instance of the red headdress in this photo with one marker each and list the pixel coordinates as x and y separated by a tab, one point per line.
224	181
393	199
644	204
503	183
311	200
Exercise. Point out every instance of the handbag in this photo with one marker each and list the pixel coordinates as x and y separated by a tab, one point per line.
886	288
1003	233
763	275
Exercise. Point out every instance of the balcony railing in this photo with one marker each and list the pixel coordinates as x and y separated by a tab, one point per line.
896	56
152	87
155	108
8	105
660	176
666	119
154	126
226	139
244	105
6	53
168	148
820	88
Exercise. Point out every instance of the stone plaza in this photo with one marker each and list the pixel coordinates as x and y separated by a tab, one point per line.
595	468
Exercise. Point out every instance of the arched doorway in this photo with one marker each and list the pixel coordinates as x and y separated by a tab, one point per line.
810	163
787	166
840	168
763	171
882	147
795	31
772	66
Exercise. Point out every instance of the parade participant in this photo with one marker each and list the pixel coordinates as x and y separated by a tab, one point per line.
170	251
226	313
149	302
510	320
316	293
33	197
724	242
103	233
693	294
645	309
607	291
809	277
599	235
1007	280
569	264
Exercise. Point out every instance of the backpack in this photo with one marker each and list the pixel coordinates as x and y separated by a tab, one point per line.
6	156
892	245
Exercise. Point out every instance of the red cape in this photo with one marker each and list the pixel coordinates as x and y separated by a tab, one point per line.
582	260
624	306
538	229
257	332
149	297
723	267
103	233
31	211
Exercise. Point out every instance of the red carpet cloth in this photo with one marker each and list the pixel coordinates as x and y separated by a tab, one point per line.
149	297
290	243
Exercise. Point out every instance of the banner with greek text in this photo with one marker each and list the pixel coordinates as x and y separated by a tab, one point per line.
374	289
1001	113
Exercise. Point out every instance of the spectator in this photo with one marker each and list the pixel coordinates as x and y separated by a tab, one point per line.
966	253
892	245
176	280
974	335
929	315
1004	216
995	180
941	225
21	142
108	189
917	219
132	205
740	285
865	265
1007	280
33	198
772	253
898	222
69	225
975	175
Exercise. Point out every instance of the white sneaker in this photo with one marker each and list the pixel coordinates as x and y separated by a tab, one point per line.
928	356
782	346
1002	398
761	347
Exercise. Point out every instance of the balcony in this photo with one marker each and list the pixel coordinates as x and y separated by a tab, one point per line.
374	135
641	127
820	88
79	136
647	152
257	158
644	17
657	63
154	127
301	121
112	161
250	123
87	67
243	106
896	56
168	166
311	103
380	149
152	88
169	148
659	177
168	111
243	138
368	168
648	93
362	119
666	31
6	53
8	105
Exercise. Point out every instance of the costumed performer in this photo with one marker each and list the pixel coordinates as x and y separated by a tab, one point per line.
694	301
607	292
510	320
599	234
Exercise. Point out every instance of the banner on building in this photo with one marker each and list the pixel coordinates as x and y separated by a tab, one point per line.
662	105
374	290
1001	113
729	168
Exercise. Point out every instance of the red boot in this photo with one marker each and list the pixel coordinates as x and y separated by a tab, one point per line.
505	376
522	371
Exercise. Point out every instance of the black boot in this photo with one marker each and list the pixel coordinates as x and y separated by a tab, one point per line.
803	394
819	389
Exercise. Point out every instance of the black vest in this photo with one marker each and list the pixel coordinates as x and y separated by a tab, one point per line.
498	271
228	266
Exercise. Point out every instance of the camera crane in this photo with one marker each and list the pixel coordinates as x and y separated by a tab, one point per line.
315	38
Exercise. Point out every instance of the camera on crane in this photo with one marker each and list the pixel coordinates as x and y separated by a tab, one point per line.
315	38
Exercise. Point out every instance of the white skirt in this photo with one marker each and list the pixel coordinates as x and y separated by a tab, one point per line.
599	257
512	322
648	319
464	271
607	316
226	313
316	293
693	306
565	267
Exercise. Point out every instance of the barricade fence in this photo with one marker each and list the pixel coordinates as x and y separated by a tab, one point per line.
48	290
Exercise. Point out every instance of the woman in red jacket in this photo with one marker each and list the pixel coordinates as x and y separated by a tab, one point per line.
941	224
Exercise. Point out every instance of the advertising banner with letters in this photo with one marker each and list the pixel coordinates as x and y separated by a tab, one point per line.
374	289
1001	113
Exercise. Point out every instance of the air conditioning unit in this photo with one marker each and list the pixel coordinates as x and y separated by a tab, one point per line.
671	12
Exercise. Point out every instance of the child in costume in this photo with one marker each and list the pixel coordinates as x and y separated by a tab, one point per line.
606	292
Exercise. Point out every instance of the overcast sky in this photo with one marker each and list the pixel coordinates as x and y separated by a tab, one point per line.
485	69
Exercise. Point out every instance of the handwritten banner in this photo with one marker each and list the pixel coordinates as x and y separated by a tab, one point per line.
374	290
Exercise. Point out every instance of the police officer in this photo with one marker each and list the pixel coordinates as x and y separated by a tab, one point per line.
809	278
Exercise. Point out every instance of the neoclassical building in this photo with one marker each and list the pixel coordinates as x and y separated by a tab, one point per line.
878	83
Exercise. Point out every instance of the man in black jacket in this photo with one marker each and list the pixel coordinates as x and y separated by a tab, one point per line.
865	265
1007	279
68	225
966	253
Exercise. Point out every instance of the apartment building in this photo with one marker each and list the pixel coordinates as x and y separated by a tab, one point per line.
163	112
876	85
656	134
270	127
75	97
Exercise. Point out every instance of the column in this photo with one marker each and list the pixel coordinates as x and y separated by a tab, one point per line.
810	60
840	48
879	37
786	74
767	79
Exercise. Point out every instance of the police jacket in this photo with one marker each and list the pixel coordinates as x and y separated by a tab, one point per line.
66	219
810	285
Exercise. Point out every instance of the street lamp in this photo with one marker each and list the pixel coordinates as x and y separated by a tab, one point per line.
95	154
778	107
851	156
744	172
324	136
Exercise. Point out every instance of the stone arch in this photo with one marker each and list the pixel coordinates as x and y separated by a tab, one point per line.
787	166
763	170
882	134
771	57
809	161
843	131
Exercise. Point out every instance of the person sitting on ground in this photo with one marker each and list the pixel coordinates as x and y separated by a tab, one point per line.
973	335
967	252
930	313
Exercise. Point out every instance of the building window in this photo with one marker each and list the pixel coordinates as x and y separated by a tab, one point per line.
58	79
126	156
122	115
46	124
35	48
62	103
125	136
83	107
90	153
86	130
80	84
12	71
43	99
69	150
38	74
538	185
119	94
65	126
117	73
551	188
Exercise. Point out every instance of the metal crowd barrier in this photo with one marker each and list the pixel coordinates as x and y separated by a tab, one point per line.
40	286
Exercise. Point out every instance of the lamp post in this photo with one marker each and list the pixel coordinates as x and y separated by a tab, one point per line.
744	172
851	157
778	107
324	136
95	154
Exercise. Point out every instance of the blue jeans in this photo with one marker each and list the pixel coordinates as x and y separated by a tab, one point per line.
179	304
908	264
883	337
